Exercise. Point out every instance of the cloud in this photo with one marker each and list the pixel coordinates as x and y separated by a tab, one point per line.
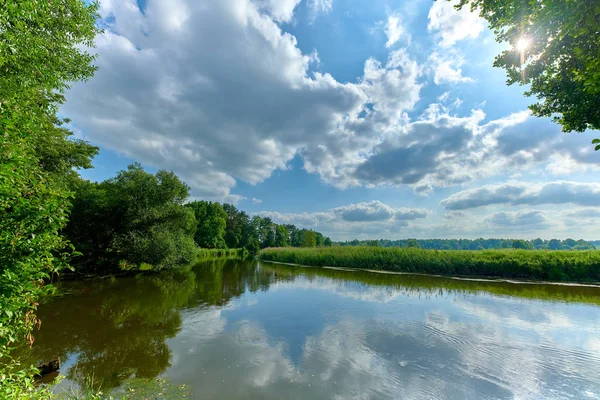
256	201
320	7
279	10
446	69
519	219
217	92
394	30
220	93
373	217
520	193
443	97
391	89
452	25
441	150
377	211
584	213
430	151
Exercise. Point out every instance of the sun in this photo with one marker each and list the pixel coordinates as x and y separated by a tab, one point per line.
522	43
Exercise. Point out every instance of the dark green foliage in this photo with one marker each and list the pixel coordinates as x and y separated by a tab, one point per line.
258	233
412	243
573	266
560	63
282	236
135	219
212	221
234	228
521	244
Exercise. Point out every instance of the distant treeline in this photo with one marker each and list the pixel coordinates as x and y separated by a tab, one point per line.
477	244
141	220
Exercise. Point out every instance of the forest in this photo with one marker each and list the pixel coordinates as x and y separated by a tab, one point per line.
138	220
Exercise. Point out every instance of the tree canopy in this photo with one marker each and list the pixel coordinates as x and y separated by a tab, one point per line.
133	219
555	48
42	51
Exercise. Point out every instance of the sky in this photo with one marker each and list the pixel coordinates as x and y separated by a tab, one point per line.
378	119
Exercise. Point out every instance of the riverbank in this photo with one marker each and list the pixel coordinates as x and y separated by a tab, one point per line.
543	265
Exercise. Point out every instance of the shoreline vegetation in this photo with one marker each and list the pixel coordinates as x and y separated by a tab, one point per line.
533	265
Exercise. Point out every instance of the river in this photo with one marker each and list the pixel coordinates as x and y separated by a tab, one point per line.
232	329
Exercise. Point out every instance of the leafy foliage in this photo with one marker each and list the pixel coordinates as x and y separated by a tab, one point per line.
560	63
257	233
41	53
212	221
133	219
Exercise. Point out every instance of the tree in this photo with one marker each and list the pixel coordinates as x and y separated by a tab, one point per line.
320	239
212	222
474	245
327	242
555	51
282	236
413	243
308	238
133	219
234	228
538	243
295	235
521	244
41	52
266	232
554	244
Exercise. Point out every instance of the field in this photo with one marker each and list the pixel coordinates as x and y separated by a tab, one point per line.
542	265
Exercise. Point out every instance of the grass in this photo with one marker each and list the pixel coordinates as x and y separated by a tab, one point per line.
539	265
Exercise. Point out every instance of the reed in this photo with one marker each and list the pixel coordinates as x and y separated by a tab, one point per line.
543	265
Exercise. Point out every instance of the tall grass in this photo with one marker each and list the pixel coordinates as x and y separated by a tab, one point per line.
566	266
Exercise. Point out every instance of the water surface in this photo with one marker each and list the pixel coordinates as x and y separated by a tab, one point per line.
245	329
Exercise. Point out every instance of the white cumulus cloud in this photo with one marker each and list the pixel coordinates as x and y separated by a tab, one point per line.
394	30
451	25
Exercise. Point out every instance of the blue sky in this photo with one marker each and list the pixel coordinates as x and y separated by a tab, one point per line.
380	119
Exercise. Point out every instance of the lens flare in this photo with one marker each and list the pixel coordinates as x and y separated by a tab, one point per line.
522	44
